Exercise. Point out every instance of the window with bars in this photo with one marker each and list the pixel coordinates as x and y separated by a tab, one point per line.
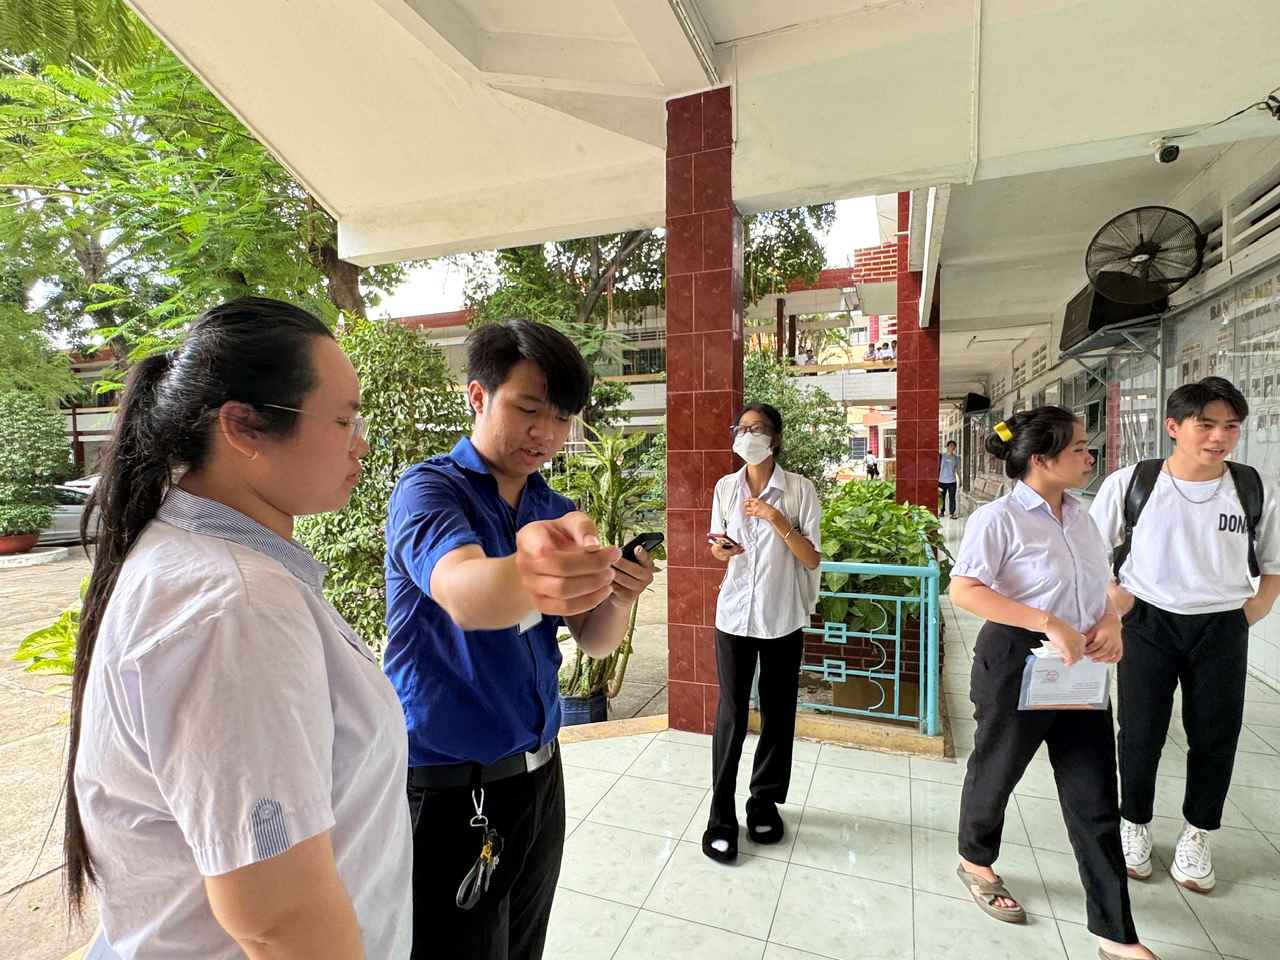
1040	360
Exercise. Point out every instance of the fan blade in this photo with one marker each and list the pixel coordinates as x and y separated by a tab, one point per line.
1128	241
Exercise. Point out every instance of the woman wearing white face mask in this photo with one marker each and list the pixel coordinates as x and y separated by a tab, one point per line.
764	524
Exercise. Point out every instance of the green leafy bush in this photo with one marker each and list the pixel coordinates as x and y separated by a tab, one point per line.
415	411
34	455
863	523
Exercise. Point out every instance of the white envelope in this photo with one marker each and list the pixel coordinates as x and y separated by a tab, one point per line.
1049	684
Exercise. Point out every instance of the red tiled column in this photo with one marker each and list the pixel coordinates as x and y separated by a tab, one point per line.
704	386
917	453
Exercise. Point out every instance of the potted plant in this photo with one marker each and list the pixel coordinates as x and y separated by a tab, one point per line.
34	455
863	523
607	483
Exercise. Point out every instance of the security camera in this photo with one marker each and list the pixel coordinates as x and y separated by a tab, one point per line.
1162	151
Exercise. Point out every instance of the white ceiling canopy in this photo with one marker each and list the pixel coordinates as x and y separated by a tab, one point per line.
433	126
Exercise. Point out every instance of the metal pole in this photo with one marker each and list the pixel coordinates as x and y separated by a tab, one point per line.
931	689
1162	387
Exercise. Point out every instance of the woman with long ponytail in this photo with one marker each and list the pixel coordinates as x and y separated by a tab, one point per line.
235	778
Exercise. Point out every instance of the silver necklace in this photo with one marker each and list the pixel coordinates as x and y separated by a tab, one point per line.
1174	481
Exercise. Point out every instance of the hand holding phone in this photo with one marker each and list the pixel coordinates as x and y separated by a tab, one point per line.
724	542
648	542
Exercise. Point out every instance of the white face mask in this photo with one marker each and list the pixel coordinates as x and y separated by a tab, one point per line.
755	448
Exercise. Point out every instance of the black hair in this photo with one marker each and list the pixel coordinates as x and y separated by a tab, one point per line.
1042	432
951	443
770	413
493	349
252	350
1190	399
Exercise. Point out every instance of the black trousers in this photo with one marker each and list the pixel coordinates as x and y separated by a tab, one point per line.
1208	653
945	491
1083	754
779	689
510	921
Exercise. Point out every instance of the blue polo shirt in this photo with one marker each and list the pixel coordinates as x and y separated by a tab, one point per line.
468	695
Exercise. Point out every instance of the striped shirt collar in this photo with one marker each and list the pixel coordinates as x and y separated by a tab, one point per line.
214	519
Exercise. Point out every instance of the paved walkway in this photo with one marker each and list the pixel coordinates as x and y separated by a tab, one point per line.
867	867
33	920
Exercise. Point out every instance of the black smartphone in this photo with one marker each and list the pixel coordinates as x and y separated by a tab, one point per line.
649	541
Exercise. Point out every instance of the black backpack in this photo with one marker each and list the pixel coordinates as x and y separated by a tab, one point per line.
1248	487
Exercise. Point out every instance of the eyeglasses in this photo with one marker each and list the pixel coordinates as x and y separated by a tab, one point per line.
755	429
357	426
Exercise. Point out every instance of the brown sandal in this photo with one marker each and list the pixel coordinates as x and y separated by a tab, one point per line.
989	891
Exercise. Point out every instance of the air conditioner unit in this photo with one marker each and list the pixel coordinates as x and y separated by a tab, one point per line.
976	403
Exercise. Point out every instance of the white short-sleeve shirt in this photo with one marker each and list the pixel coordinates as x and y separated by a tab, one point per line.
230	713
1190	549
760	595
1017	547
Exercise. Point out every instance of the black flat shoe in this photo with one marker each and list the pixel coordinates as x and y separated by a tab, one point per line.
729	835
764	823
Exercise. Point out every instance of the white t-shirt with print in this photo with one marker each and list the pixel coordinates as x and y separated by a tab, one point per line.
1190	550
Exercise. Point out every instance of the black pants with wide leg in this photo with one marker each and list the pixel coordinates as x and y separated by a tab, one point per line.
736	658
1082	751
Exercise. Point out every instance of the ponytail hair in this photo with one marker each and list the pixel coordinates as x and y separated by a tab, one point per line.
253	350
1042	432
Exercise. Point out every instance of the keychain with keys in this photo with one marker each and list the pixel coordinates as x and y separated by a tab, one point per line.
476	883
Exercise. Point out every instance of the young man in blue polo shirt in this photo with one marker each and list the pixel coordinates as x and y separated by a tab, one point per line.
484	562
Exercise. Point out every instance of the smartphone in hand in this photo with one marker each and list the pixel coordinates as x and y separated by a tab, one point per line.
646	541
721	540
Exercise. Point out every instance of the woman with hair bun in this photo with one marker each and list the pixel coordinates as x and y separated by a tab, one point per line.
1034	566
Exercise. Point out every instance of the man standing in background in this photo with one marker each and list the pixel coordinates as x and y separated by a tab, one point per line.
948	468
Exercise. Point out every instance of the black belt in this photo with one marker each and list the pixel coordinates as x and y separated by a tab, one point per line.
447	775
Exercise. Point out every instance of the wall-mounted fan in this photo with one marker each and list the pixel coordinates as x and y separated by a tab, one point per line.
1144	254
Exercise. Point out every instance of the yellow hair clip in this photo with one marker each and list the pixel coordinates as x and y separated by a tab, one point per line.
1003	432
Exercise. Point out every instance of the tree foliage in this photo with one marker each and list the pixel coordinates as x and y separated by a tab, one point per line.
815	427
27	360
415	411
34	455
102	32
134	200
781	247
591	288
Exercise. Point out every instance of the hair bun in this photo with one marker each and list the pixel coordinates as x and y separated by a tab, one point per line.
997	447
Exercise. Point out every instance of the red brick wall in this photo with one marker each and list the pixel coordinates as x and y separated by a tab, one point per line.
876	264
917	450
704	386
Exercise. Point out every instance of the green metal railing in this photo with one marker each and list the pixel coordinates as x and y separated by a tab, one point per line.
887	675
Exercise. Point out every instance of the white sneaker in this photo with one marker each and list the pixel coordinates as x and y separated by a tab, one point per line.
1192	863
1136	840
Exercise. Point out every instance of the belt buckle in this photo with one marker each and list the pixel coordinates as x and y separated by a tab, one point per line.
539	758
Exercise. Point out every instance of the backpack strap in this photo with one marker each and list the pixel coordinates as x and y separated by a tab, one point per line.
1136	495
1250	491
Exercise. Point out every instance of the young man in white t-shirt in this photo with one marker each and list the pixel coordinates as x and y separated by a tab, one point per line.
1187	596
